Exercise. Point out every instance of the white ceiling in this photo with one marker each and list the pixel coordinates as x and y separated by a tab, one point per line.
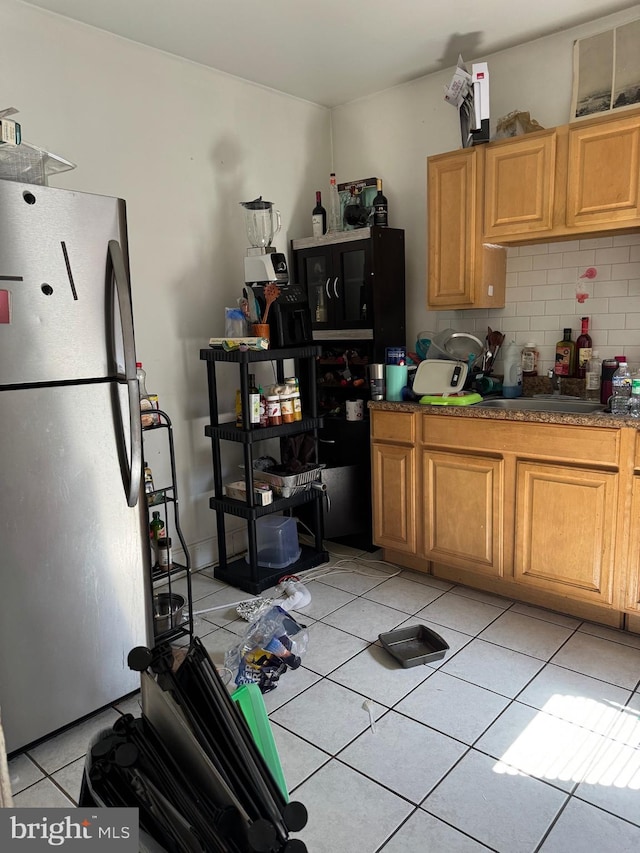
333	51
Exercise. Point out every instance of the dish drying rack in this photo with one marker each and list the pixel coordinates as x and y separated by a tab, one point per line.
287	485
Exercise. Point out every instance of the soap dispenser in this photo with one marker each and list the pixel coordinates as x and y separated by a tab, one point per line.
512	382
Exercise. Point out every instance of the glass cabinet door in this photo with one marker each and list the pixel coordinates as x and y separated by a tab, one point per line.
317	278
350	286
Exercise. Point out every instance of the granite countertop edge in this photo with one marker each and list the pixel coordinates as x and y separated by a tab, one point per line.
597	419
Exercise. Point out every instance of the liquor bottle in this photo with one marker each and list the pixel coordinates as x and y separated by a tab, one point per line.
565	355
335	212
145	403
380	207
583	349
319	217
254	402
593	377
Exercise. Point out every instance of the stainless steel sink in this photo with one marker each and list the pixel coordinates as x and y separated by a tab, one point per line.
543	403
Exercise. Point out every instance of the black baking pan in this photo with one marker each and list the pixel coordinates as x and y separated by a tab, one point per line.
414	644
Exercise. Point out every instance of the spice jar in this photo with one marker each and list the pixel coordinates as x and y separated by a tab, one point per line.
286	407
529	360
274	411
165	561
291	386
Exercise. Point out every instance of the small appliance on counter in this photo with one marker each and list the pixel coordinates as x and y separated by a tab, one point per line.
441	383
289	316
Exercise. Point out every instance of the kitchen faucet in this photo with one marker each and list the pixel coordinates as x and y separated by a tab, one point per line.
556	381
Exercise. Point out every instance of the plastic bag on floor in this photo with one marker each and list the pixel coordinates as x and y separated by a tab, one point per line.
272	644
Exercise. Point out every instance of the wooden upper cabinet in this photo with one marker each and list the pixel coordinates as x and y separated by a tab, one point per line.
462	272
580	178
603	179
520	185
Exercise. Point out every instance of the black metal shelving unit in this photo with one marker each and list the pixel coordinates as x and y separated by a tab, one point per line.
165	500
249	576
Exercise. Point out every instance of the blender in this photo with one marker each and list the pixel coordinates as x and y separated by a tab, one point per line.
263	263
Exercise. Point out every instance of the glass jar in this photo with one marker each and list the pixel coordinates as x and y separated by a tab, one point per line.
163	550
274	411
529	360
286	407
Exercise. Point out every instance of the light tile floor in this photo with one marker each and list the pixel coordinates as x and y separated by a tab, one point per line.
525	737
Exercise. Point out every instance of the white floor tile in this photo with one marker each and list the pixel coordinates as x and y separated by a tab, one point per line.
70	778
429	580
403	755
424	833
22	773
541	746
218	642
349	812
493	667
43	794
324	599
581	828
588	702
376	675
545	615
404	595
74	743
503	809
527	635
616	636
357	578
602	659
481	595
365	619
612	782
298	758
226	599
460	613
453	706
329	648
327	715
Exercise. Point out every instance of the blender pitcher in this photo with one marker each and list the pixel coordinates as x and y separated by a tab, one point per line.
261	221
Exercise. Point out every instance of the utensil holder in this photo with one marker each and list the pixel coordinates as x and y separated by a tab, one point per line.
261	330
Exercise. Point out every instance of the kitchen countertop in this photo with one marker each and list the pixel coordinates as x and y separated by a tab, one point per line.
596	419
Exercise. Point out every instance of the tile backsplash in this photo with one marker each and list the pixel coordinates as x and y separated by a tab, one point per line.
541	298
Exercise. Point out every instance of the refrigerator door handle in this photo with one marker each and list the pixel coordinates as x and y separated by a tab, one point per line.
126	320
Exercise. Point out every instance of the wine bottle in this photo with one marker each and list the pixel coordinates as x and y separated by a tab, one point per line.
583	349
380	207
319	217
335	213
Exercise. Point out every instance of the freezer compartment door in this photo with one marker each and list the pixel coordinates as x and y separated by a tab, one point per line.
59	314
74	558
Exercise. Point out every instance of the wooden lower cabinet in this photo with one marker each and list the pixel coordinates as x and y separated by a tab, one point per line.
393	472
565	529
462	515
543	513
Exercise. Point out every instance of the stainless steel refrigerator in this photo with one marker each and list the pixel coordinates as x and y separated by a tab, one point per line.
74	547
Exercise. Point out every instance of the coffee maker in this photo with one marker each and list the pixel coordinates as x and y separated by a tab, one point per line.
289	316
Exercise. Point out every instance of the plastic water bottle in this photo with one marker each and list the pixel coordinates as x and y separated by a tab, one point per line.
621	384
634	400
512	381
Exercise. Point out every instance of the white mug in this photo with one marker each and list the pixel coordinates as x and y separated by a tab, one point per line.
355	410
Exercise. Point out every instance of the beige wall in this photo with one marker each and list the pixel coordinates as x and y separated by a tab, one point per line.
183	145
391	134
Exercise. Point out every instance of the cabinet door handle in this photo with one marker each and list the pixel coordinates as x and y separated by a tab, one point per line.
335	287
326	441
326	287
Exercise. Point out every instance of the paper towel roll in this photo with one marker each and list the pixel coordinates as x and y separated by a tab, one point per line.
396	378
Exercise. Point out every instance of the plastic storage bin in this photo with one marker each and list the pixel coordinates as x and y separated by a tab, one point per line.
277	541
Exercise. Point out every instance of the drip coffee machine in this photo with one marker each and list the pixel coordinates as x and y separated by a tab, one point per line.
289	316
